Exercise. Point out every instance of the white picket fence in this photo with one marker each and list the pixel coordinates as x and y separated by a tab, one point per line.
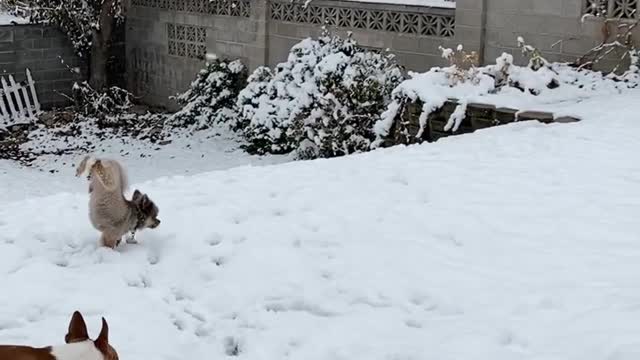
15	103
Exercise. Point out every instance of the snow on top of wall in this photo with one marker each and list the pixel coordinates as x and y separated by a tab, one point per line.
432	3
8	19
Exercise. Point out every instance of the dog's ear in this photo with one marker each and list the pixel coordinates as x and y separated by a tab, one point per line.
102	342
77	329
144	202
137	195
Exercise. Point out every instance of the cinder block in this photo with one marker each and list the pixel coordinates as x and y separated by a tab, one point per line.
7	57
472	18
28	55
24	44
6	33
63	85
572	8
43	43
58	42
469	5
279	49
49	75
20	32
7	46
578	46
7	68
51	32
34	32
403	42
546	7
43	86
418	62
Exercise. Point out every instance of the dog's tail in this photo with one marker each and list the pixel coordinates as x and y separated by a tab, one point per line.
109	172
112	175
122	174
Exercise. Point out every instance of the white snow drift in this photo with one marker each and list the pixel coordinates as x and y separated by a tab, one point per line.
517	242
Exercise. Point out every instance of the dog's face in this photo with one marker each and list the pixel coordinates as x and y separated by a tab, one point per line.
147	210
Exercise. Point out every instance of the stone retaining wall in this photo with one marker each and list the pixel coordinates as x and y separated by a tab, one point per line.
406	128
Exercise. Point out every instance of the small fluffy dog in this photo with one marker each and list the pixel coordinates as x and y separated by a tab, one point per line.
109	211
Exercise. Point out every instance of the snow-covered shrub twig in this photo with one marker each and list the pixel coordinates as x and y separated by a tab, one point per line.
618	41
89	102
536	60
462	65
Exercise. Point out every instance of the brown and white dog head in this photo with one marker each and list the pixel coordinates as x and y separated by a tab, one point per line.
78	346
78	334
147	211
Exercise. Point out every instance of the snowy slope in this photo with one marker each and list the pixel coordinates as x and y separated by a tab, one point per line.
518	242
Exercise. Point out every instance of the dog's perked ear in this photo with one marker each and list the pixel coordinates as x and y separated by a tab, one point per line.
77	329
102	342
145	202
142	201
137	195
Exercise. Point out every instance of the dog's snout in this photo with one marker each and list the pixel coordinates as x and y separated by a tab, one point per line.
156	223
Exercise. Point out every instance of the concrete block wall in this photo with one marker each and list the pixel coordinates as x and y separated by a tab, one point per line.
413	33
166	48
555	27
261	32
470	25
41	49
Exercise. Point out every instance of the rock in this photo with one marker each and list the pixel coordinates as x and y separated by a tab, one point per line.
56	118
47	118
23	127
543	117
566	119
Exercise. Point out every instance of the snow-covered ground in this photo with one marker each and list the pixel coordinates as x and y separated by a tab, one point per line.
7	19
145	161
516	242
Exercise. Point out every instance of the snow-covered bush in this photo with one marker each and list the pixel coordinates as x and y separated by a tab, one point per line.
256	87
212	95
321	102
463	65
89	102
503	84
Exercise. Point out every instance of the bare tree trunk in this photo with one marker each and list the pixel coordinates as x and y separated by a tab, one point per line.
100	43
